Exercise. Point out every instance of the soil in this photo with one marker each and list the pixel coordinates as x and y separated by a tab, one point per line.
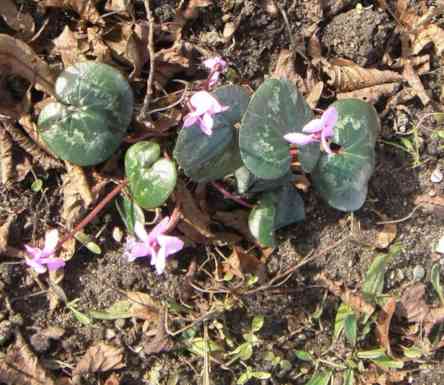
98	281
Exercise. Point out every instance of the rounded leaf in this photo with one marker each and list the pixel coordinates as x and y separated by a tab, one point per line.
261	220
275	110
342	178
94	108
151	180
204	158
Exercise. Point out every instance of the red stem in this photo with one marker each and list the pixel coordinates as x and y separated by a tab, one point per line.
93	213
229	195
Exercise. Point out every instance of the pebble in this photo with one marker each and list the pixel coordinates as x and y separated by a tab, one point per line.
437	175
440	246
120	323
418	273
110	334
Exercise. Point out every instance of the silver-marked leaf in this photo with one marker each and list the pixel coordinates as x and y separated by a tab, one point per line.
262	220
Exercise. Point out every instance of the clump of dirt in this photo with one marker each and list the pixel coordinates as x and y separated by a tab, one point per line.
358	35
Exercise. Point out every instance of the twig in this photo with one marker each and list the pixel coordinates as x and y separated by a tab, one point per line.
401	219
144	113
229	195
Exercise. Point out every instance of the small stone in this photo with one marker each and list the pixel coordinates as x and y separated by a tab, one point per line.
400	275
120	323
418	273
40	342
437	175
110	334
440	246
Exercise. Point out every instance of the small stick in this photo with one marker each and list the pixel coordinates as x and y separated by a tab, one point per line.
144	113
93	213
229	195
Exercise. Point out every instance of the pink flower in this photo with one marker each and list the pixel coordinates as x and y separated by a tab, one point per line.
216	65
203	107
155	244
40	258
319	130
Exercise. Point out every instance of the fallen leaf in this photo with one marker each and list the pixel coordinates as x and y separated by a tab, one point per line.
432	33
143	306
387	234
5	157
314	95
19	21
161	342
285	68
413	79
355	301
437	200
240	263
85	8
383	324
100	358
113	379
269	7
171	61
347	76
21	367
122	7
21	60
372	94
236	219
67	46
412	305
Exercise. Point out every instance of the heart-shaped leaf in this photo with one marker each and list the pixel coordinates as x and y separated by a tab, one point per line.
342	178
151	180
94	108
204	158
261	220
246	182
275	109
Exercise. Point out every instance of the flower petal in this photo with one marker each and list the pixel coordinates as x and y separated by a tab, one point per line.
329	119
313	126
51	240
34	252
214	78
189	119
157	230
325	145
169	244
202	102
134	249
206	124
158	260
300	139
53	263
140	231
36	265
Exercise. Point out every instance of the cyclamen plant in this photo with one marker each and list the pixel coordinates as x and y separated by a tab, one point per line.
41	259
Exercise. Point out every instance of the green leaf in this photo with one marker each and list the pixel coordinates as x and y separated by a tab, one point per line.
130	212
275	109
373	354
342	178
88	121
244	377
436	282
199	346
304	356
205	158
79	316
320	378
374	279
243	351
257	323
151	180
349	377
289	206
344	311
119	310
86	241
351	328
261	375
380	358
247	182
37	185
261	220
413	352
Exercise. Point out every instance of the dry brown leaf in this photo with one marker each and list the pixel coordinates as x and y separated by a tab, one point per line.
85	8
5	157
389	377
240	263
387	234
18	20
413	79
113	379
356	301
347	76
372	94
236	219
123	7
301	182
171	61
191	212
313	97
437	200
412	303
21	367
67	46
4	232
21	60
285	68
432	33
101	50
100	358
161	342
383	324
143	306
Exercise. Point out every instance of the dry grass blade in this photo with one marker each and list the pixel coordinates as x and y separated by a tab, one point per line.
21	367
21	22
20	59
383	324
100	358
5	157
347	76
415	82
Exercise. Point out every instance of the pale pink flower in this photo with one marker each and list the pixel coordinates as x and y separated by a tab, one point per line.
318	130
155	244
203	106
40	257
216	65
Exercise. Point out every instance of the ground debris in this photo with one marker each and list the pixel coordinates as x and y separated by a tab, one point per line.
19	21
100	358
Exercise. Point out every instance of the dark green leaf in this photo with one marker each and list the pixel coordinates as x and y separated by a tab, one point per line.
304	356
151	181
94	109
343	312
436	282
130	212
349	377
289	206
247	182
320	378
351	328
204	158
261	221
342	178
275	109
374	279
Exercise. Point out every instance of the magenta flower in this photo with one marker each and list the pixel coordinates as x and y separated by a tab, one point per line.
40	258
155	244
318	130
203	106
216	65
